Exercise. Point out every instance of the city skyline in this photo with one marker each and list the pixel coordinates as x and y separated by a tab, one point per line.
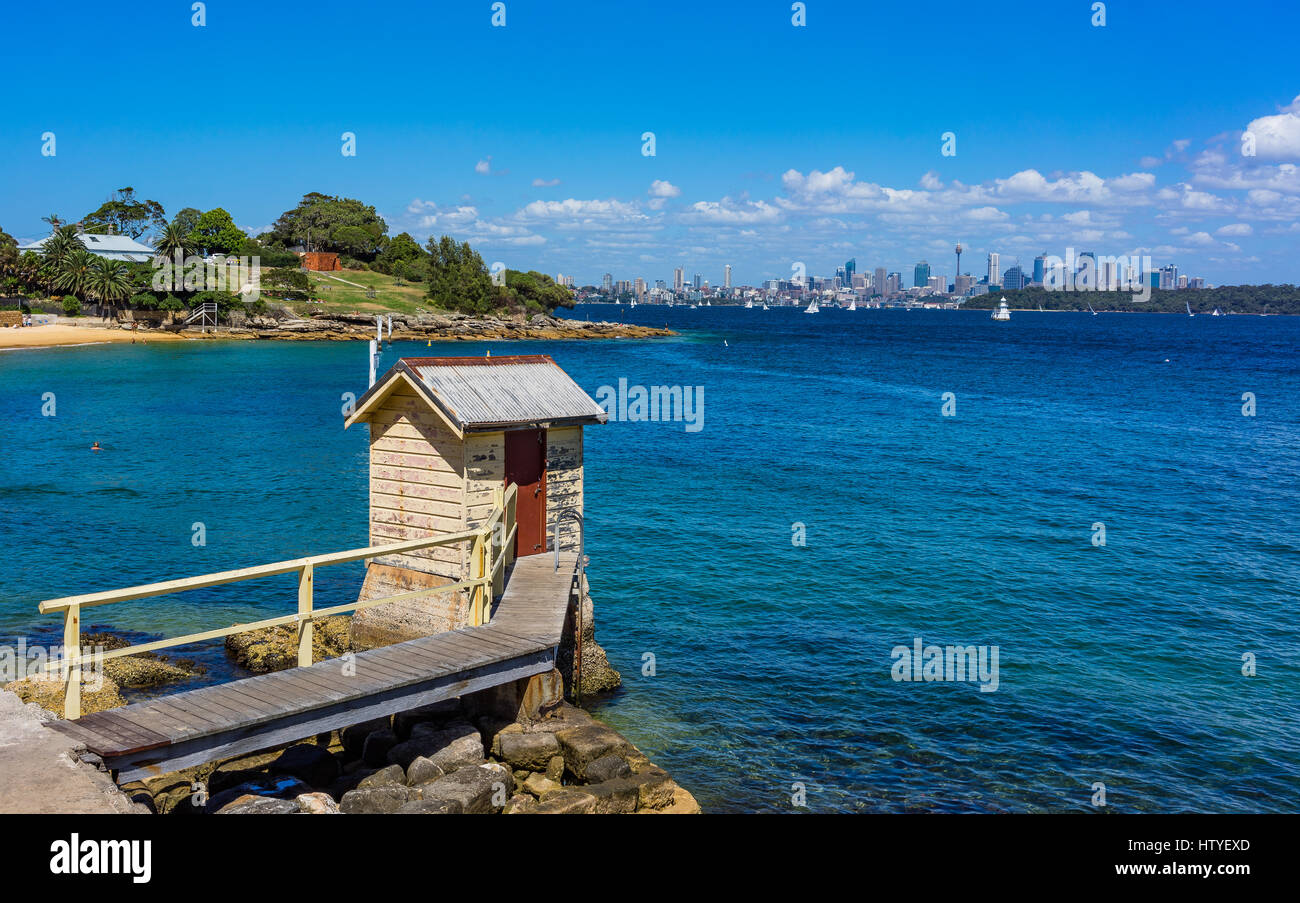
756	166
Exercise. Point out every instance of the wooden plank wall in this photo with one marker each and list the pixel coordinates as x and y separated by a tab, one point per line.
417	483
564	481
485	472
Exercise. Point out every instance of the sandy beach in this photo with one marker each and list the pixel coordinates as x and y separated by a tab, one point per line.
56	335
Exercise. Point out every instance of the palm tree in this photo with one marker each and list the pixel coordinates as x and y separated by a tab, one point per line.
61	244
72	272
171	239
53	220
108	281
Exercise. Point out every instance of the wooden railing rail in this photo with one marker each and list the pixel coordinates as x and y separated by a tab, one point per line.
491	551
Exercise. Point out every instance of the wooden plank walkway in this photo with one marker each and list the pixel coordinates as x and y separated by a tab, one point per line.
186	729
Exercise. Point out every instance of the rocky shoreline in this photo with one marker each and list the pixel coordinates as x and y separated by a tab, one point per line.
514	749
282	324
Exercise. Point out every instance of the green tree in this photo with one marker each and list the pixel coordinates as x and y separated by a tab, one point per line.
108	281
216	233
187	219
172	239
124	214
321	222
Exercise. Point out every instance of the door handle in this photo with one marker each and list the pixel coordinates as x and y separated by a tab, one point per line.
537	492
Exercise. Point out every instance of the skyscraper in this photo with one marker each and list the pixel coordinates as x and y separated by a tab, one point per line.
850	267
679	279
993	268
921	275
1040	268
698	280
1013	278
726	277
879	283
606	283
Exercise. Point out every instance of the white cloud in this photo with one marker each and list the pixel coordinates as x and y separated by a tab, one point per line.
545	183
662	189
733	211
1278	137
1235	229
931	182
578	210
483	167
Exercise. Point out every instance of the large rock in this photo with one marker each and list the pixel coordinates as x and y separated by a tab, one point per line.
566	802
389	774
438	713
377	800
584	745
249	804
98	693
450	748
354	736
532	752
606	768
374	752
276	648
317	804
422	771
430	807
477	789
614	797
595	673
311	764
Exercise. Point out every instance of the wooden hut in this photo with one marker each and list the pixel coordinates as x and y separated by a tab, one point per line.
445	433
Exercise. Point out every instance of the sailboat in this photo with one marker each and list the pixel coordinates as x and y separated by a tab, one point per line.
1189	308
749	304
764	306
634	302
1217	313
812	308
853	305
1090	310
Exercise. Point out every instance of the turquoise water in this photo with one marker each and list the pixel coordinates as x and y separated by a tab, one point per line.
772	662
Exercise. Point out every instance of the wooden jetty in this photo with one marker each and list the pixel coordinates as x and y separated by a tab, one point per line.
462	454
518	639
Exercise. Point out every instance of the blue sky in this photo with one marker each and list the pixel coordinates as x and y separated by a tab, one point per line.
774	143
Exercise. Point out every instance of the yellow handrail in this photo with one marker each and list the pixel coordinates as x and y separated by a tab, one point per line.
487	578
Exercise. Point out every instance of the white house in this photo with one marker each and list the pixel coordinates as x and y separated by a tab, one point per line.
114	247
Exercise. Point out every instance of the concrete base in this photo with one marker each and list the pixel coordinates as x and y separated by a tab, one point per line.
396	622
40	770
526	701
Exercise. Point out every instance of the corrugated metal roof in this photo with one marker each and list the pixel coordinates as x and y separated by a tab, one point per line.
119	247
493	392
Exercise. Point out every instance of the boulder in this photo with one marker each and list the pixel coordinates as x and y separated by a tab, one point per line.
476	788
519	804
309	763
566	802
250	804
555	768
449	748
614	797
317	804
374	752
421	771
530	751
430	807
389	774
655	790
606	768
539	785
584	745
354	736
276	648
437	713
377	800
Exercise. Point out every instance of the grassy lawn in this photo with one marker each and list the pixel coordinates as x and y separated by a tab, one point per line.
340	297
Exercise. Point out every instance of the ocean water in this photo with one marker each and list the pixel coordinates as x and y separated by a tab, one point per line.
752	664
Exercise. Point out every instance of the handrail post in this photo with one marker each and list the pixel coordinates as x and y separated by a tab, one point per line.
72	662
509	519
498	551
304	615
476	574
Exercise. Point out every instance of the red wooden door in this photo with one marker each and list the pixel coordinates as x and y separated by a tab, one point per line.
526	467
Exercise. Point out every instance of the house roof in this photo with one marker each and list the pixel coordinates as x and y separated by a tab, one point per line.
123	247
488	393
